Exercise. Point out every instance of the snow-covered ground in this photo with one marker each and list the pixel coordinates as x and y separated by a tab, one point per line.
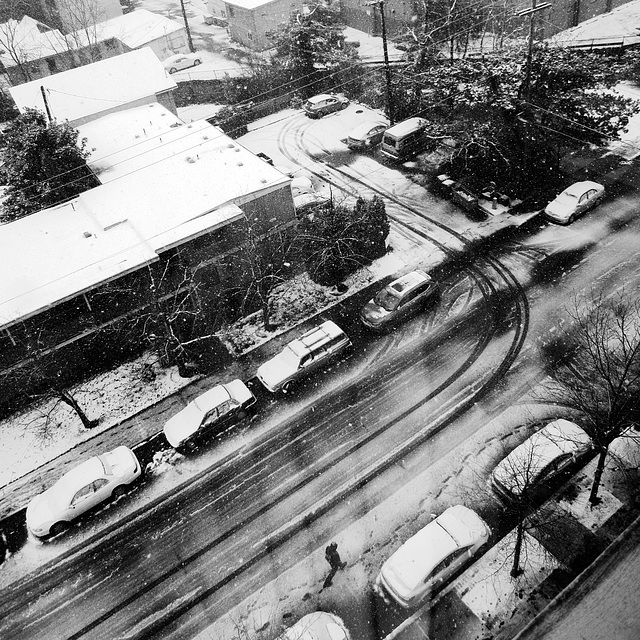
45	430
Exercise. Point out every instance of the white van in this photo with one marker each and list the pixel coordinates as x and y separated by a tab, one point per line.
405	139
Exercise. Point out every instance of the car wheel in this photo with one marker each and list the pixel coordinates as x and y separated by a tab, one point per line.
287	386
572	218
58	528
119	491
343	106
242	414
172	70
196	62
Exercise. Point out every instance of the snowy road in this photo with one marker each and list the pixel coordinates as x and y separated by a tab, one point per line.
350	439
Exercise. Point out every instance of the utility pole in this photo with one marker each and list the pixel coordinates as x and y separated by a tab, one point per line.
533	9
186	26
387	69
43	91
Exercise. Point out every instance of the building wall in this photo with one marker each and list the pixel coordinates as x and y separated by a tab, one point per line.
64	61
169	44
249	27
217	8
96	330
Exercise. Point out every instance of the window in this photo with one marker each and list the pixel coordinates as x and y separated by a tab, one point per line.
82	494
100	483
224	408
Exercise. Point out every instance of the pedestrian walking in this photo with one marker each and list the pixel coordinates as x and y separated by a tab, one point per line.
335	562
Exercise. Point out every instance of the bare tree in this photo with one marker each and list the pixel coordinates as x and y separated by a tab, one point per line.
45	384
263	264
595	369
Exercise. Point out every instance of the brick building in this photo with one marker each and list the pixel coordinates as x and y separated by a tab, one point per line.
250	20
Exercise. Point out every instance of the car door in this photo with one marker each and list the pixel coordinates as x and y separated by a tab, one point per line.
83	500
331	105
583	203
210	419
410	302
226	413
445	569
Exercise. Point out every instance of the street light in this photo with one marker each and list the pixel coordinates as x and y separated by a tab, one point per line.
387	70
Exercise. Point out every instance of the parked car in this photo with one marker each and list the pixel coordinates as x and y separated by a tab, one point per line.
432	556
306	203
574	201
105	476
325	103
399	300
182	61
366	135
531	467
209	414
405	139
303	355
301	185
319	625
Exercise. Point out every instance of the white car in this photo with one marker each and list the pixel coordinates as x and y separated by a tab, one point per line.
540	459
301	185
319	625
306	203
574	201
302	356
182	61
366	135
325	103
105	476
430	557
399	300
210	413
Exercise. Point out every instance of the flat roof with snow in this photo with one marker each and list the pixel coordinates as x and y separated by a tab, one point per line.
94	88
173	186
68	250
135	29
248	4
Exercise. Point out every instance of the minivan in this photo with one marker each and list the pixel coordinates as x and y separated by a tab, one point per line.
405	139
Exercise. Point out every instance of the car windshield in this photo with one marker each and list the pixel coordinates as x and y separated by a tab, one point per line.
565	197
387	299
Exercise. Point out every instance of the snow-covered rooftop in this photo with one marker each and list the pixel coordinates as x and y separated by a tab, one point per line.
102	86
170	187
29	40
61	252
248	4
122	135
619	27
135	29
143	150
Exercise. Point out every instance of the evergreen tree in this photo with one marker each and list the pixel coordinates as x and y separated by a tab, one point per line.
337	239
44	165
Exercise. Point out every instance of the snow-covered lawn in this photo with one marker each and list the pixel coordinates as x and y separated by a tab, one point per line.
49	428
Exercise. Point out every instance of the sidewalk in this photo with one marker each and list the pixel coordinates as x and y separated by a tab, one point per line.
486	603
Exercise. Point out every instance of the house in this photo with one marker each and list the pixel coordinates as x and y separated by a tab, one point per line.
102	275
216	8
618	28
86	93
250	20
142	28
30	50
71	15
